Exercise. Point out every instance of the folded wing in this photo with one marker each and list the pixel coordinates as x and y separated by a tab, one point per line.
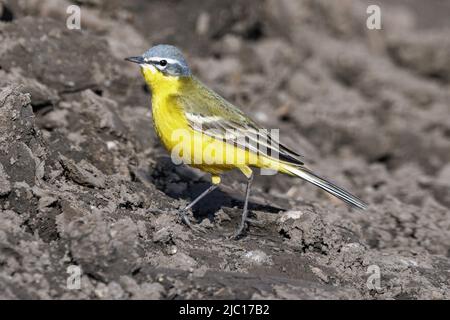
212	115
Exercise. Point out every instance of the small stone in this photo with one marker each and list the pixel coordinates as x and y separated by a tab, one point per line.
111	145
257	257
171	250
294	215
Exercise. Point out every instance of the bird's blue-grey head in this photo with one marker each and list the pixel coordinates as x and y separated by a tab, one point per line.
166	58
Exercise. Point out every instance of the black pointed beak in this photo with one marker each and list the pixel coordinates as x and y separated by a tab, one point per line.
138	60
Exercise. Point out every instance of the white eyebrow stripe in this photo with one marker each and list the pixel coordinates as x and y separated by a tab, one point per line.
157	59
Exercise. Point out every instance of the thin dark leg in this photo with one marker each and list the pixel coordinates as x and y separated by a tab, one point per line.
245	211
183	212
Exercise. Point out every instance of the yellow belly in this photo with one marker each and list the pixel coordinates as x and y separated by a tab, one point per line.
192	147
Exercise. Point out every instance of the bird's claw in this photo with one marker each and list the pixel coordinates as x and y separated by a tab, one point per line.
183	214
184	218
240	231
237	234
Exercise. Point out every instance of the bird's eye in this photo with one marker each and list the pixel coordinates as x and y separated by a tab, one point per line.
163	63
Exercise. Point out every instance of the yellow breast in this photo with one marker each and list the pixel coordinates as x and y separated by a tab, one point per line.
167	116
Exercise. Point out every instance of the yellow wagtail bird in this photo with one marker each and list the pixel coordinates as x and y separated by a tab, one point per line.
211	134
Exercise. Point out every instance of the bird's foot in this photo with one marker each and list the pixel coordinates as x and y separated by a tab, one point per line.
240	231
184	218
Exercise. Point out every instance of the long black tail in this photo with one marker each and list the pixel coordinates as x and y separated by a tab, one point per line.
336	191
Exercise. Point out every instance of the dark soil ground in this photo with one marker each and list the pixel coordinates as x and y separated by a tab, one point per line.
84	181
